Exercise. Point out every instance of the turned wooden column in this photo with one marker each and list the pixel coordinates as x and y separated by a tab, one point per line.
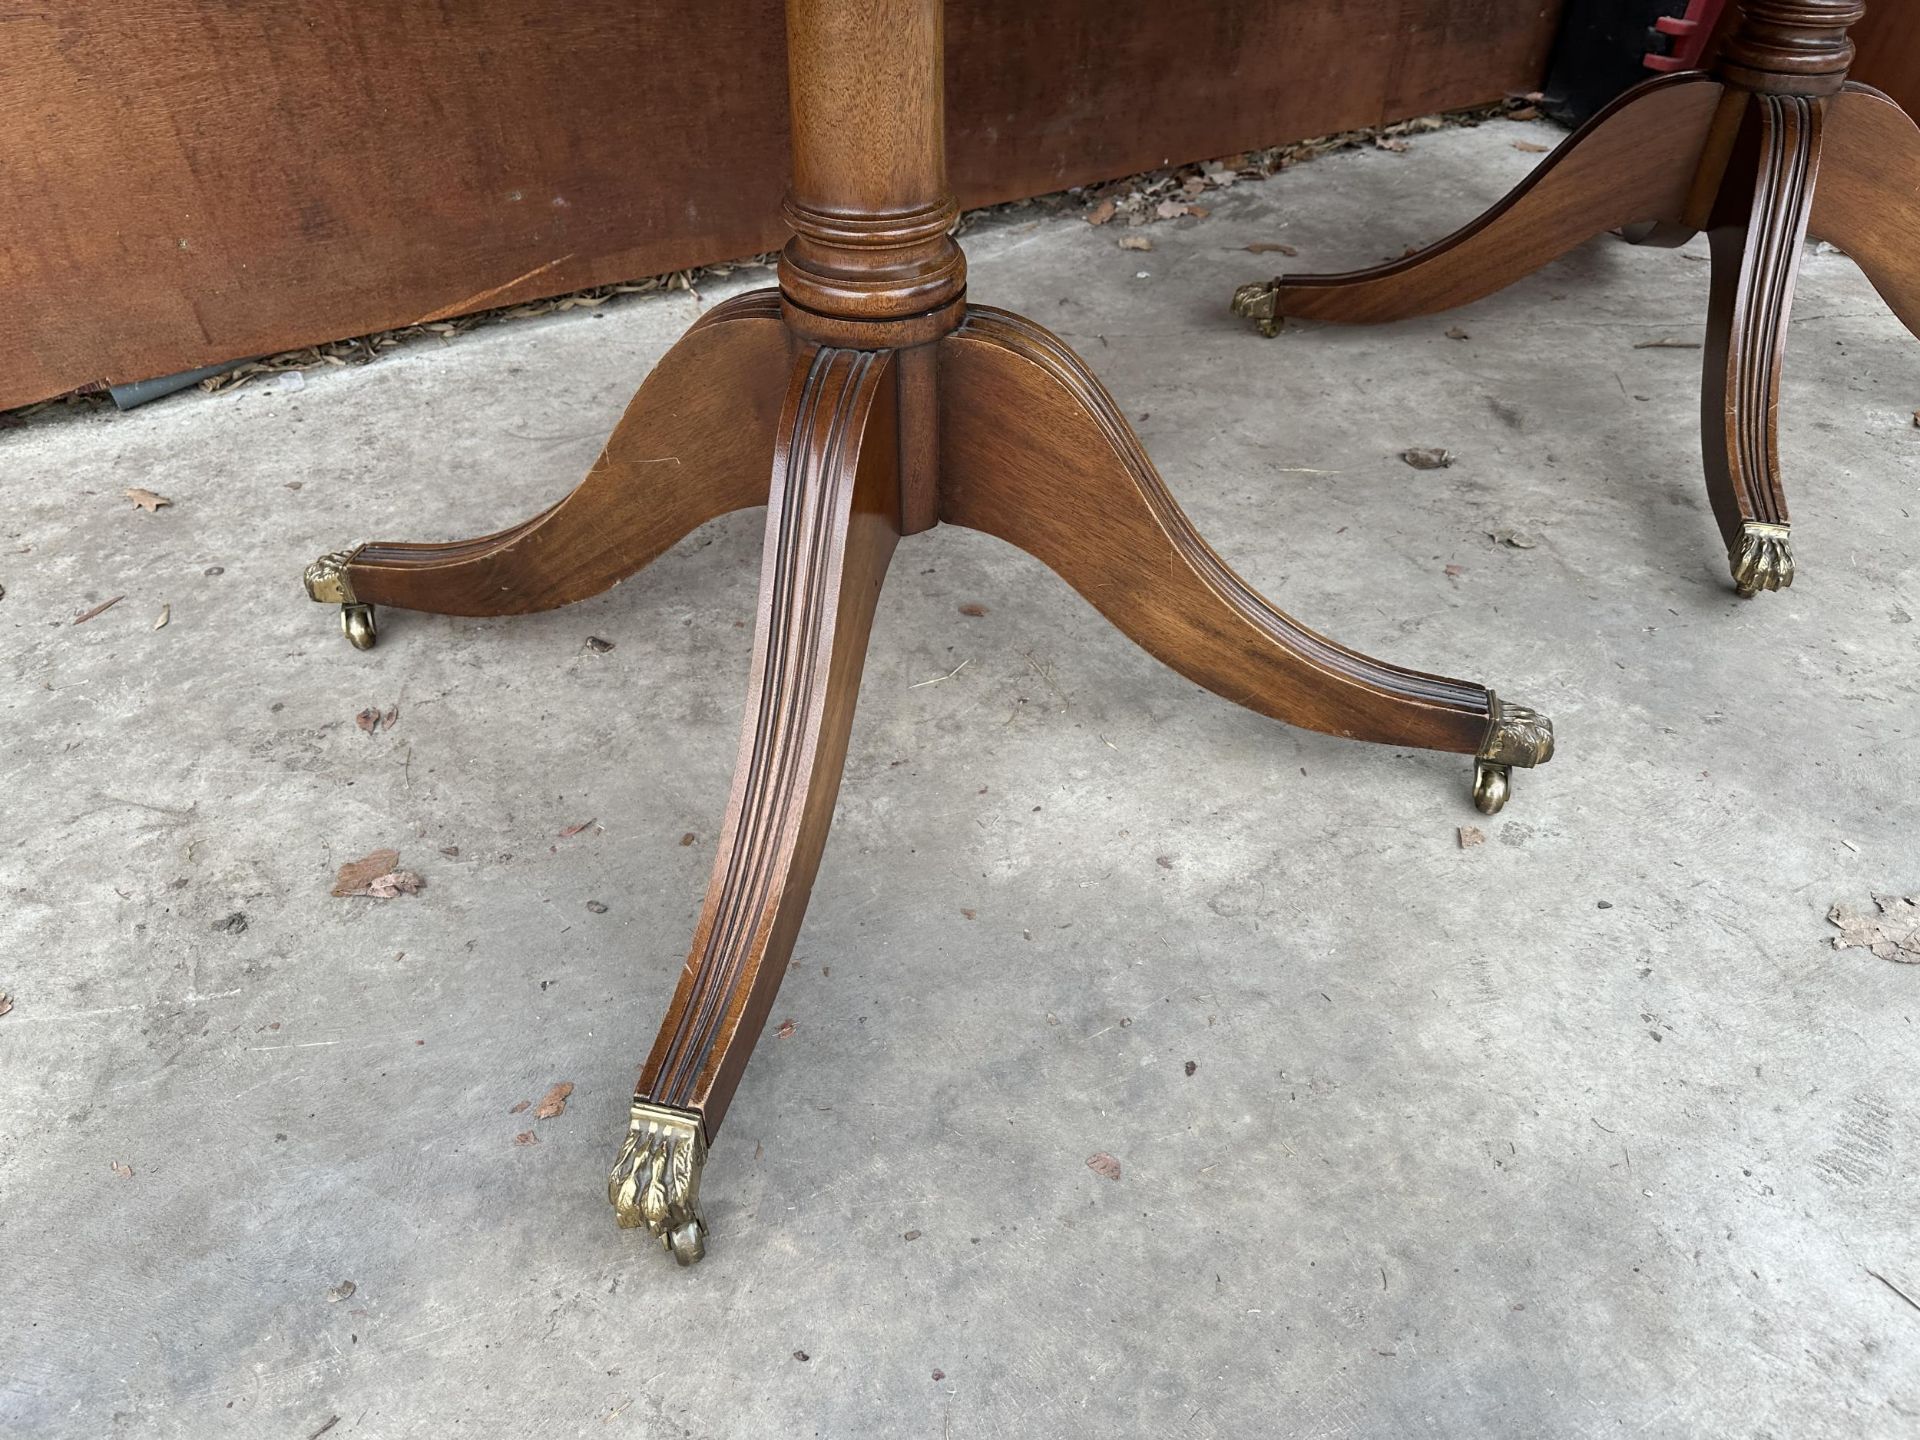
1792	47
871	263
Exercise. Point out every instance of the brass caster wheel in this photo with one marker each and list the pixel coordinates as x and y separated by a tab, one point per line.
1761	559
1492	786
1259	301
356	621
655	1182
688	1244
1515	736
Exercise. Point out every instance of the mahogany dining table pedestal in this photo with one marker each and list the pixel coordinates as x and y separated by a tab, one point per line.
864	400
1772	145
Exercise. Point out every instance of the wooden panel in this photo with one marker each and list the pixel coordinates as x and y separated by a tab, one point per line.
1889	44
184	182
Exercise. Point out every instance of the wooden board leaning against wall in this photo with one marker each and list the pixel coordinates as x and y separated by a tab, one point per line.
186	182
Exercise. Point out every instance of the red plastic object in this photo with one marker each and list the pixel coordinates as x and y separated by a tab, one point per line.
1691	33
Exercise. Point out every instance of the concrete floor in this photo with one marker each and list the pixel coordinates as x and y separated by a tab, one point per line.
1582	1131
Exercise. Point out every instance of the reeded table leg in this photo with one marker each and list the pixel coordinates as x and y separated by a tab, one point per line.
692	446
1035	451
1868	199
832	521
1632	162
1756	260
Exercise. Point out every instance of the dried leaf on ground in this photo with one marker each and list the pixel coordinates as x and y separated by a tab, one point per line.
1894	936
785	1030
1104	1164
368	719
160	620
1135	242
596	907
597	645
688	838
1428	457
526	1137
1389	142
6	1002
147	500
356	875
1454	572
1272	247
1528	147
1470	836
343	1291
1101	213
974	609
1516	539
392	717
400	882
518	1108
1525	112
1667	343
100	609
573	830
125	1172
1456	333
555	1101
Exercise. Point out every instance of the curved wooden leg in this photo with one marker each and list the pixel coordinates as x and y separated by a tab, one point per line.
693	445
1756	260
833	518
1635	161
1034	450
1868	201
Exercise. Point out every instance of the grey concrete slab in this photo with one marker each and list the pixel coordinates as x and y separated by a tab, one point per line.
1583	1131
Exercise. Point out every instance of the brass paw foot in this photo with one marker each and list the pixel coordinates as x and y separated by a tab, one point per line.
656	1180
1515	736
326	580
1761	559
1259	301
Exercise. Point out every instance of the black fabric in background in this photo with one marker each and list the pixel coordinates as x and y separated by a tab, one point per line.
1598	53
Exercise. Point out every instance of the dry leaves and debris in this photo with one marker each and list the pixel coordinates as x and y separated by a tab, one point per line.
1104	1164
125	1172
1470	836
1428	457
377	876
343	1291
160	620
1512	538
785	1030
555	1101
6	1002
1272	247
1892	934
147	500
573	830
100	609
